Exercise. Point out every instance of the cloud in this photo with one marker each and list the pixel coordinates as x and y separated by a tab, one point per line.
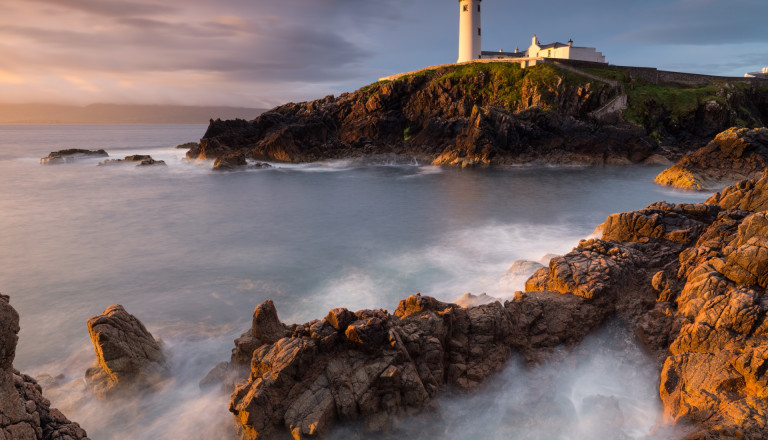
111	8
703	22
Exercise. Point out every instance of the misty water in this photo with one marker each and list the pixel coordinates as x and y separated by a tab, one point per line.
191	252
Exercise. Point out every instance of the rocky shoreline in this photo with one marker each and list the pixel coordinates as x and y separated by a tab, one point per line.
687	280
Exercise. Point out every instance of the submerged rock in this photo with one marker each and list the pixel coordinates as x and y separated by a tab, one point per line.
733	155
127	356
70	155
24	413
138	159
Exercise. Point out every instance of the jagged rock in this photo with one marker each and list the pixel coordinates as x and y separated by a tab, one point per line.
24	413
733	155
139	159
127	356
230	162
187	145
690	279
70	155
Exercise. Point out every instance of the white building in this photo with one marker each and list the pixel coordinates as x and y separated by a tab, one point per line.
762	74
470	38
469	30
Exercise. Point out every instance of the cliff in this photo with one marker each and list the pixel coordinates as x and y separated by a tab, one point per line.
24	413
494	114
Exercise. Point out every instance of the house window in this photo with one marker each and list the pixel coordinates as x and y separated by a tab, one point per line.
478	8
478	32
549	53
466	8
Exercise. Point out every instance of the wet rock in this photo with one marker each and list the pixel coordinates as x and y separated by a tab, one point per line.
689	279
230	162
71	155
733	155
24	413
127	356
138	159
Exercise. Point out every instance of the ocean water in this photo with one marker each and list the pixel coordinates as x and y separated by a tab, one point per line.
191	252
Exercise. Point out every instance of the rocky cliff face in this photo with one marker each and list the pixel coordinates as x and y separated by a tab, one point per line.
24	413
690	279
493	114
468	115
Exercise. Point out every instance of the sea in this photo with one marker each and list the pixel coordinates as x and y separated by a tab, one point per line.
191	251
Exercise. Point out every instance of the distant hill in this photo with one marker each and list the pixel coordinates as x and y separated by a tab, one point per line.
119	114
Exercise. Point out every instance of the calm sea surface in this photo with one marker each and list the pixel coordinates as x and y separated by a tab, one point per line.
191	252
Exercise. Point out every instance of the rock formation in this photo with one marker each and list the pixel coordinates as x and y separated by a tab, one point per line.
127	356
690	279
476	115
493	114
138	159
70	155
24	413
733	155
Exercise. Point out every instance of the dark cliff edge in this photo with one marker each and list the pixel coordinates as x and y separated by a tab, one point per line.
495	114
25	414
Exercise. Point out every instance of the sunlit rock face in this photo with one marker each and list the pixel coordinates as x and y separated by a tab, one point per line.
689	280
733	155
24	413
127	356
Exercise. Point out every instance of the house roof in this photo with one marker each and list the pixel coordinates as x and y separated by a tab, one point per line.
506	54
553	45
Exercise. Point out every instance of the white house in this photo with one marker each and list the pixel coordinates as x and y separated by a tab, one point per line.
470	38
762	74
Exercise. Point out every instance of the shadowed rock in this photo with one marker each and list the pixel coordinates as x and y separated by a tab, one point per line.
127	356
230	162
24	413
70	155
138	159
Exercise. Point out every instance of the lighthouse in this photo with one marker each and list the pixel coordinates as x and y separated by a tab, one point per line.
469	30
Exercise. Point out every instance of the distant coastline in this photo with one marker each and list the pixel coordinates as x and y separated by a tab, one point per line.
119	114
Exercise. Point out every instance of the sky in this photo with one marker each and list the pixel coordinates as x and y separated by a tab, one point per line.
259	53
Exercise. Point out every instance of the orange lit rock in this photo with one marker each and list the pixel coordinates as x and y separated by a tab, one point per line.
127	356
733	155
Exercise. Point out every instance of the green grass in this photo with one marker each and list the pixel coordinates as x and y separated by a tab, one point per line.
764	89
614	74
678	100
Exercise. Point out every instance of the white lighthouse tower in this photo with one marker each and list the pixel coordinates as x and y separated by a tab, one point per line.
469	30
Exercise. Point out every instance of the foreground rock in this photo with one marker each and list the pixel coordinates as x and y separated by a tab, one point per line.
138	159
71	155
24	413
689	279
128	358
733	155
